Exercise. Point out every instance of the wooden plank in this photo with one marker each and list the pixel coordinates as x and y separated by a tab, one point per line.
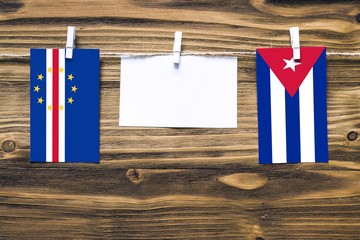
179	183
144	26
84	201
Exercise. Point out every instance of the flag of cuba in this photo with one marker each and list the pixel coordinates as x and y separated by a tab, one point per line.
64	106
292	120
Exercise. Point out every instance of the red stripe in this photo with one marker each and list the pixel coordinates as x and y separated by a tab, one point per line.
55	107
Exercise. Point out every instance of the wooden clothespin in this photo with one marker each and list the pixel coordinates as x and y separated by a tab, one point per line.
295	42
70	42
177	47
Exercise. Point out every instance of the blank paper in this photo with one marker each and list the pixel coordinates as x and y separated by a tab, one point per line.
200	92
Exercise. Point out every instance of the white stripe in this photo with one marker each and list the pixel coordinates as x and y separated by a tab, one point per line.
49	79
307	129
62	102
278	120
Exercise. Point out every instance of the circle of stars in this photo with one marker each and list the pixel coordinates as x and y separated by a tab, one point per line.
37	89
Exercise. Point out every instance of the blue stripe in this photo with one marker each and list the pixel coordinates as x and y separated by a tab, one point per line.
292	127
264	110
82	117
321	137
37	111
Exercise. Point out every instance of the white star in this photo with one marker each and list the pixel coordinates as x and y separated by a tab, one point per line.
291	64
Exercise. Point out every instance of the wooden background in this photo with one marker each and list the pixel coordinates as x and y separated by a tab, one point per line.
180	183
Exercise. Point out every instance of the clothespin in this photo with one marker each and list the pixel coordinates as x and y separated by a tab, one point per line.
70	42
177	47
295	42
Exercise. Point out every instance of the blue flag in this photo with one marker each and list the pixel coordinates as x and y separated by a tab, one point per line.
292	105
64	106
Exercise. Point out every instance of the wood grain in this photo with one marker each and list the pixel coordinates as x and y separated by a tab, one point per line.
166	183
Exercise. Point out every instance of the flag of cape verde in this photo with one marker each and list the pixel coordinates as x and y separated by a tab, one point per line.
64	106
292	105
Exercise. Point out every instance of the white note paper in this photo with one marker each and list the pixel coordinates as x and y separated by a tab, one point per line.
200	92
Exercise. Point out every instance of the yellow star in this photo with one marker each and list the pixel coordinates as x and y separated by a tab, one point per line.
40	77
49	107
70	77
49	69
61	107
61	69
73	88
40	100
70	100
36	89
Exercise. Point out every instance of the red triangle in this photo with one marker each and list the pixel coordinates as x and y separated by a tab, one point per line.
291	80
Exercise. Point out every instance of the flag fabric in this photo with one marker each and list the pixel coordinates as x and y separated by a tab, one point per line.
291	95
64	106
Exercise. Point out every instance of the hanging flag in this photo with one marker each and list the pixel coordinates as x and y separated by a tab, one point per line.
292	105
64	106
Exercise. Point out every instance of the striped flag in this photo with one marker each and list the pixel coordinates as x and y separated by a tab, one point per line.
292	105
64	106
